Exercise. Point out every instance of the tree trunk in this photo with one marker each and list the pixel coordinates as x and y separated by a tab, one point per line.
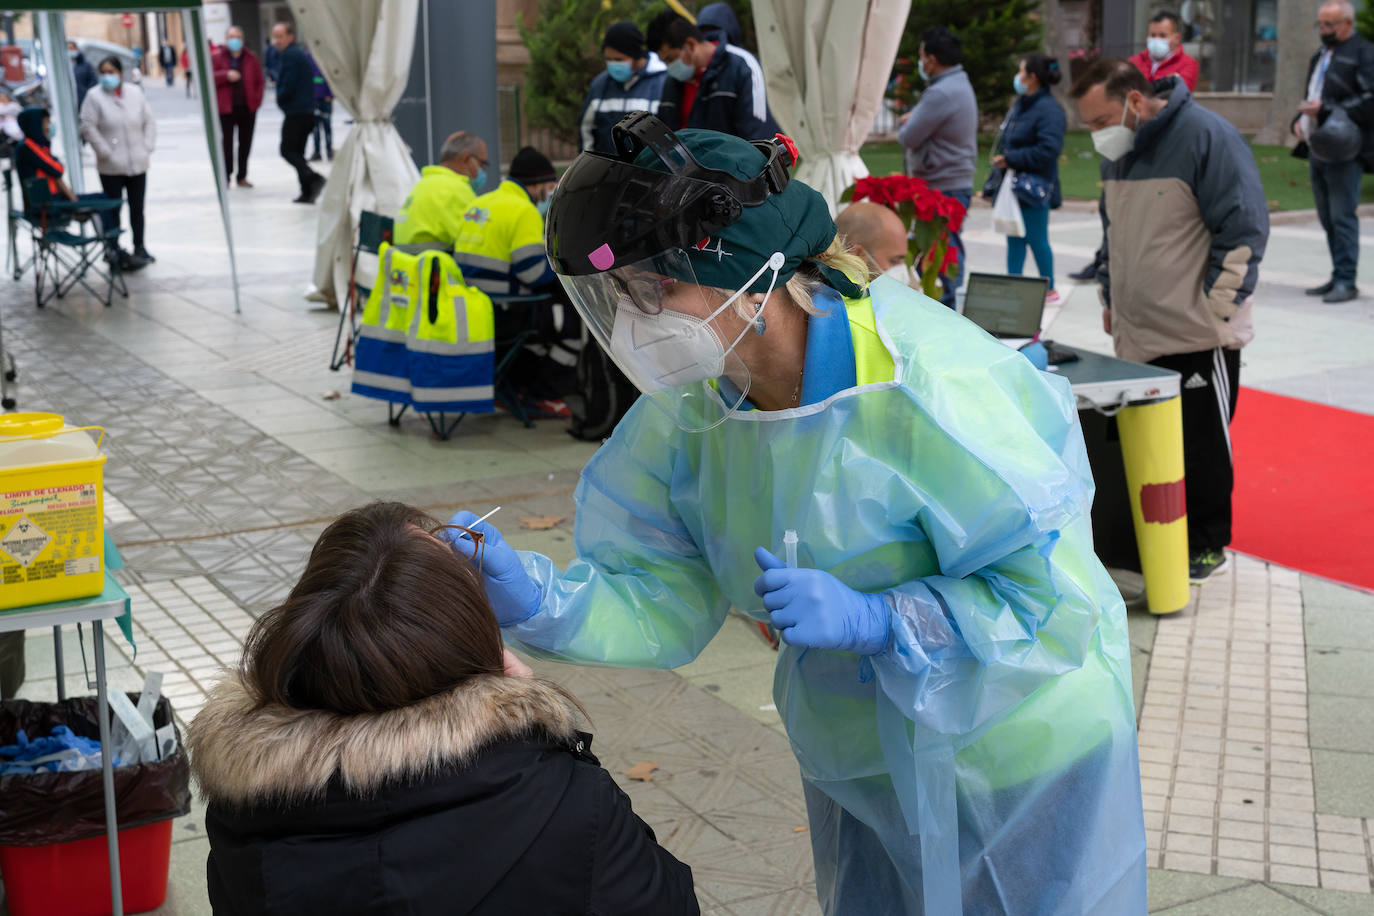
1054	47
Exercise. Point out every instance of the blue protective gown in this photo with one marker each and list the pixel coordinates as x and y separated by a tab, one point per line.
992	745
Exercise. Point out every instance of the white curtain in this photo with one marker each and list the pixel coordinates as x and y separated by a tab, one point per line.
827	64
363	47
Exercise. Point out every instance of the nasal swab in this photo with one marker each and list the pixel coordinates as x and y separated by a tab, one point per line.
789	543
485	517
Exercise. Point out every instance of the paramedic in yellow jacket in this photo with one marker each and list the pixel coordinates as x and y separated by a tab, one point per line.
432	214
500	246
902	496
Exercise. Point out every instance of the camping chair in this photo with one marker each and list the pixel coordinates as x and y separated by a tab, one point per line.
63	253
526	331
373	229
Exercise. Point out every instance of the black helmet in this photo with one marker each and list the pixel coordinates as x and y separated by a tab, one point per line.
1337	140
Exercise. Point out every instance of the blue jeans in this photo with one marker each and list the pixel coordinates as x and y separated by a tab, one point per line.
1336	187
965	197
1037	220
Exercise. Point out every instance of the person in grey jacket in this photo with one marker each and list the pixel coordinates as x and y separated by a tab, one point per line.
118	124
1187	223
941	133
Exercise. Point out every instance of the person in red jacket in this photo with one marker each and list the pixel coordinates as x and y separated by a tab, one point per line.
1164	55
238	91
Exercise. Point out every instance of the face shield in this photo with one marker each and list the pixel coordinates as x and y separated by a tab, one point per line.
677	341
619	233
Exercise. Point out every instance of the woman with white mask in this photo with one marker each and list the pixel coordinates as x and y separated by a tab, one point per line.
954	673
118	124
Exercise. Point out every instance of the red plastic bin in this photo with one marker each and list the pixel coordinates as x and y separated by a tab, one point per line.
73	879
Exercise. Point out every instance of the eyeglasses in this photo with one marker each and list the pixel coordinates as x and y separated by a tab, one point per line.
437	532
644	290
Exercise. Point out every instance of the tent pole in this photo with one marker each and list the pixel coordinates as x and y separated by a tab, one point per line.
53	35
192	24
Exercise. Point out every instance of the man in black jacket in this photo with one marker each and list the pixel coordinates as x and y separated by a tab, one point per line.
711	84
296	99
1341	75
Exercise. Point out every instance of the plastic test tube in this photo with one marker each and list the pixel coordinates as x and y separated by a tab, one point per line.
789	543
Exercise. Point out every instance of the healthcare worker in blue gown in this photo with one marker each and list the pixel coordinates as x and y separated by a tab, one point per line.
954	676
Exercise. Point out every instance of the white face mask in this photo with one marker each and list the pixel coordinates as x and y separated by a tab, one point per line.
1158	48
1116	141
671	348
899	272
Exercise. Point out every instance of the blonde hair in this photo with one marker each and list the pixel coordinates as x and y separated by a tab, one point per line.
801	289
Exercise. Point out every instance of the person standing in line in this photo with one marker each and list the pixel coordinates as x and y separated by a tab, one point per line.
1163	56
296	99
1187	223
1340	78
83	74
1031	144
324	113
118	124
710	84
239	86
941	133
632	81
186	67
167	60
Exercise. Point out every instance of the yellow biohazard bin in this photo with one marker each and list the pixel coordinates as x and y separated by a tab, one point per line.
1152	449
52	519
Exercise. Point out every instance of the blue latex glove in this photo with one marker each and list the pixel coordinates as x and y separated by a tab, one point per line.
812	609
514	596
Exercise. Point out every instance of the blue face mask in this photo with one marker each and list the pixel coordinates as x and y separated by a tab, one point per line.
479	179
109	81
681	71
542	206
620	70
235	45
1019	86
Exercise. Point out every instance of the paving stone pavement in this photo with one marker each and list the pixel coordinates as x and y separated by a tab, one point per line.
226	461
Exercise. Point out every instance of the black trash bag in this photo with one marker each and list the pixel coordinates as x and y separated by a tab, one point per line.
39	809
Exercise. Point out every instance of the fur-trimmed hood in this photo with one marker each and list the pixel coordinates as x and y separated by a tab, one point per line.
243	754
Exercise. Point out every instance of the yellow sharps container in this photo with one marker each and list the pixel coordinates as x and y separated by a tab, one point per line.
52	520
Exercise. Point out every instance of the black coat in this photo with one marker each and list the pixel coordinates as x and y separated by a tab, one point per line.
1349	84
517	818
730	99
295	81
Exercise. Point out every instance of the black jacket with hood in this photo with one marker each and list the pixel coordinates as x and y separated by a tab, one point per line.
34	157
480	800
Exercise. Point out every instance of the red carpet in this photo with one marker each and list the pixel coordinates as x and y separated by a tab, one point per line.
1304	493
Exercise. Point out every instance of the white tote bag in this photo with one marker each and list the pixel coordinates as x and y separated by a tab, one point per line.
1006	210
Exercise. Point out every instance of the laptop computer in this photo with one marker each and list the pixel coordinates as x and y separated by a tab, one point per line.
1007	307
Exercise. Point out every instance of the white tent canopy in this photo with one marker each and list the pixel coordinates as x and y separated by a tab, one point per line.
363	47
827	64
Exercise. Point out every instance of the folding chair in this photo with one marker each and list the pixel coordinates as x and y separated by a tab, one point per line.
373	230
526	331
63	252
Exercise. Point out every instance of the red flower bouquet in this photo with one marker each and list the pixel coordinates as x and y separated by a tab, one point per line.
930	217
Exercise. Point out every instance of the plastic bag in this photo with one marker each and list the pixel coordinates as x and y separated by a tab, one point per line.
43	808
1006	209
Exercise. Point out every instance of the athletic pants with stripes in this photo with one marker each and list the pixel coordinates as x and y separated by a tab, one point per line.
1210	381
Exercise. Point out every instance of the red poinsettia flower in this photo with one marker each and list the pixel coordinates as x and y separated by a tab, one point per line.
928	205
953	211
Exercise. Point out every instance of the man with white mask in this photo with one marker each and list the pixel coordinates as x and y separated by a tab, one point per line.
877	235
1163	57
1186	223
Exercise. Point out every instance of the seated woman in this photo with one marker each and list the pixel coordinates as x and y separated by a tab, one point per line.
378	751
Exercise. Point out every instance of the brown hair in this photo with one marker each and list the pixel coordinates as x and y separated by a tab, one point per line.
384	615
1118	79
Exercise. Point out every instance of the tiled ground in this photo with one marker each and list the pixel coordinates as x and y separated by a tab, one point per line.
226	460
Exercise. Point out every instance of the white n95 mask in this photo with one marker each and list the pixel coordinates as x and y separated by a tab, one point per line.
899	272
1116	141
666	350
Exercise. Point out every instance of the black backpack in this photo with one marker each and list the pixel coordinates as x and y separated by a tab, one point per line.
603	394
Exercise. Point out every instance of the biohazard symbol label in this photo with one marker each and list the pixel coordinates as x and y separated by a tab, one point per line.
25	540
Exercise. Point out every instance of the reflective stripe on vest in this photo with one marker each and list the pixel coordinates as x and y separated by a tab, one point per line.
381	367
451	347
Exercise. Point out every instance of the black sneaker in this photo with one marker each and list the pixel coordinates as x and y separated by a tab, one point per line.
1086	274
1207	563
